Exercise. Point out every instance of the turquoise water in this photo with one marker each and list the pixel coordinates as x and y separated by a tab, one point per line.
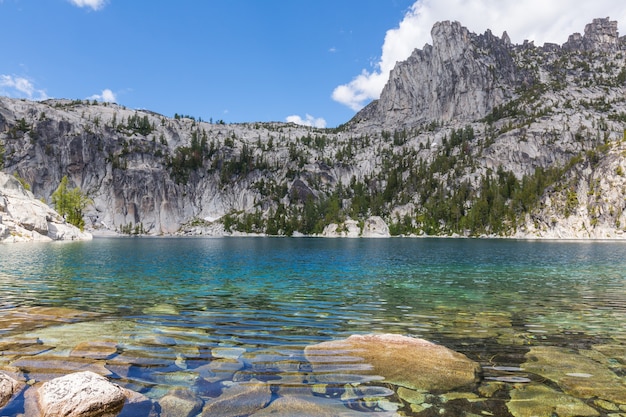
163	299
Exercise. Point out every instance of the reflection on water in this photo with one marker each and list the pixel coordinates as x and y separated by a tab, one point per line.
204	313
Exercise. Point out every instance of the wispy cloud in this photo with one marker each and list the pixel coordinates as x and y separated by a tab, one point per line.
21	87
93	4
106	95
536	20
307	121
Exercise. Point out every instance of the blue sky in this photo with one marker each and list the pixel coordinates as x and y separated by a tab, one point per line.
309	61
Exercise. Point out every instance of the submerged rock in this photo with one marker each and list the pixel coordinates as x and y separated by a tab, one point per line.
239	400
138	405
405	361
180	402
46	367
95	350
82	394
576	374
538	400
290	406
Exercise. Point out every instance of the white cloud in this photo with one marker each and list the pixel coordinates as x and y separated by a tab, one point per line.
13	86
106	95
94	4
538	20
307	121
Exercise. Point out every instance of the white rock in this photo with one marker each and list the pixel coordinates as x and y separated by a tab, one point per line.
81	394
24	218
8	388
375	226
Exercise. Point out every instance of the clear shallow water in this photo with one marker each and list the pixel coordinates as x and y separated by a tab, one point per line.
169	303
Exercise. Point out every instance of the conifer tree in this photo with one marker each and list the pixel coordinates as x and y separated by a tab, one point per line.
70	203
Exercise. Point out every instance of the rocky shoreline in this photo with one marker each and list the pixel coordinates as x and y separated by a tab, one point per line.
23	218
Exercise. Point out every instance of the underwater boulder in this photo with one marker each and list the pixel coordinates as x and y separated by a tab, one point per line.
576	374
400	360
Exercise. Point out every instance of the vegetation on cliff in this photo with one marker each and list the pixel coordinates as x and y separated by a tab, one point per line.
70	203
551	125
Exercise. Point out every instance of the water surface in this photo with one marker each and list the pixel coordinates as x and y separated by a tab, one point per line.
169	303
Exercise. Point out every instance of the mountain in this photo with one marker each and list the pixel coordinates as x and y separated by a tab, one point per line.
472	135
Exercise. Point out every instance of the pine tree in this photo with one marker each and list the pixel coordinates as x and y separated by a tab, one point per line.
70	203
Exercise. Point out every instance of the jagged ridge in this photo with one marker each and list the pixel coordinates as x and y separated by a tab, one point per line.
472	135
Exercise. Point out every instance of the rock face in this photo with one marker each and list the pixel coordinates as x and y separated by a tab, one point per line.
24	218
82	394
461	76
588	204
458	116
408	362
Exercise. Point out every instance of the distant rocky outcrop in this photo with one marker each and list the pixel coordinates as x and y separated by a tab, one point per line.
471	136
601	35
24	218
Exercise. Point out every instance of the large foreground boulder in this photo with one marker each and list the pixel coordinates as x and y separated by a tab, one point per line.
81	394
404	361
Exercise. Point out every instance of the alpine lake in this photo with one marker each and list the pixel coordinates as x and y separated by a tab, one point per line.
545	320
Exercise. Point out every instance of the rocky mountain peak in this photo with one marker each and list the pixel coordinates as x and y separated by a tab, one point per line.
600	35
461	76
449	36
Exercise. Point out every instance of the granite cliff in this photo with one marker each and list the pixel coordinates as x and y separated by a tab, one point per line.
472	135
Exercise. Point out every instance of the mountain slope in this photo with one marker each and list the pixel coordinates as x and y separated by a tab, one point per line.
471	136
